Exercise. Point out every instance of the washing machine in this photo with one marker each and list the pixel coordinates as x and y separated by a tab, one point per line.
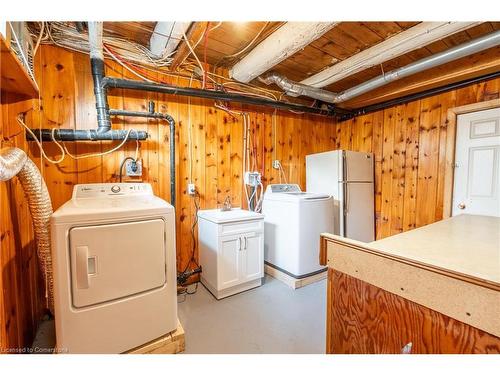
114	268
293	222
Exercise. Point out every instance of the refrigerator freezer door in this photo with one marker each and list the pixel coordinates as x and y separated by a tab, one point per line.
322	174
358	166
358	208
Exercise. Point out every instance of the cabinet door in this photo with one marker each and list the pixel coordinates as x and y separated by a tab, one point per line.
229	261
253	256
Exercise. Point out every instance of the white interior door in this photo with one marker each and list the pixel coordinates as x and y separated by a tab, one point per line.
477	165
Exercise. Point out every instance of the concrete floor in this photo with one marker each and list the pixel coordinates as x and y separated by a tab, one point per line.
270	319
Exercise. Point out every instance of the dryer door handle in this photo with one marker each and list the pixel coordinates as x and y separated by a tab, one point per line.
82	267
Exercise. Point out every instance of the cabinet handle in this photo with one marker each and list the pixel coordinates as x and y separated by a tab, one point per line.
245	243
239	243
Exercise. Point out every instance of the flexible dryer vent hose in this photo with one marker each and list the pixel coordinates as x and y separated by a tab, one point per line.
14	161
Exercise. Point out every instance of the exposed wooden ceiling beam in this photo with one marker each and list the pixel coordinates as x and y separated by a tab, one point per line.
194	34
283	43
468	67
409	40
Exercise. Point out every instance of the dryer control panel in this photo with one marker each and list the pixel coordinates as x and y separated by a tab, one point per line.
112	189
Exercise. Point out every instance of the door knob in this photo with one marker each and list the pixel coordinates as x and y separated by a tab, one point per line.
407	348
461	206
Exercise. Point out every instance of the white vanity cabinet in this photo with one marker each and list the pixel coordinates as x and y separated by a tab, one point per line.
231	247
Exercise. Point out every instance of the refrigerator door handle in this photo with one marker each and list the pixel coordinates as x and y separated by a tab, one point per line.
346	190
344	166
345	208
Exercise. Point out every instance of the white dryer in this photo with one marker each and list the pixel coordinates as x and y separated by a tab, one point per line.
114	268
293	222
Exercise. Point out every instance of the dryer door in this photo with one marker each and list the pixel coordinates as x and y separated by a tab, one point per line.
113	261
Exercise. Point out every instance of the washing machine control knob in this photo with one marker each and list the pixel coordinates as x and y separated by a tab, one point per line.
115	189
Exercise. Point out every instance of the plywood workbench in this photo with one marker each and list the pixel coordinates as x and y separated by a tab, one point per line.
436	287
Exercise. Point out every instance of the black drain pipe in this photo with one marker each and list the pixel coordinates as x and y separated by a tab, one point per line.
72	135
171	123
163	88
419	95
103	131
101	97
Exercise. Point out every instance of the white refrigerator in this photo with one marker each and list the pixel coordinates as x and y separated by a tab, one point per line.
348	177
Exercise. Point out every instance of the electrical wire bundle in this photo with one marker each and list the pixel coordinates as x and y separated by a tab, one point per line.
138	59
68	36
249	156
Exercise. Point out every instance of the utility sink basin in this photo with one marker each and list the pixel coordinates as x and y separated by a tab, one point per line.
236	214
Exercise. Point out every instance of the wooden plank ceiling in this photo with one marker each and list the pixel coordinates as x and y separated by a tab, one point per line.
341	42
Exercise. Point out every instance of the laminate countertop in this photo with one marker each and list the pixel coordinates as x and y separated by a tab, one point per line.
464	244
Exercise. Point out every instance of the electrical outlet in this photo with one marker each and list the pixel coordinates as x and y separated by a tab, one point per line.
133	168
252	178
276	164
191	189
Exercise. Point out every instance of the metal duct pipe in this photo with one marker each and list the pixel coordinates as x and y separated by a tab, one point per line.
14	161
11	162
462	50
97	66
293	88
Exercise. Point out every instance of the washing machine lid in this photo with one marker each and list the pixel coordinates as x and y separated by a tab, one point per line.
291	193
110	201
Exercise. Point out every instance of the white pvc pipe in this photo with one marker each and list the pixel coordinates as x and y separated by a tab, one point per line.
166	37
95	40
284	42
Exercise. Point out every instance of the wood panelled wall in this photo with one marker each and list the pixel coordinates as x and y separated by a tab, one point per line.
408	141
215	166
21	285
67	101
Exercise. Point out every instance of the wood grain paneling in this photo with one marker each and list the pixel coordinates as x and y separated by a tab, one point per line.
22	299
365	319
407	143
214	162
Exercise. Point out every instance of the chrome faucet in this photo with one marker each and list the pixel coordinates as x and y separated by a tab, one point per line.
226	206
